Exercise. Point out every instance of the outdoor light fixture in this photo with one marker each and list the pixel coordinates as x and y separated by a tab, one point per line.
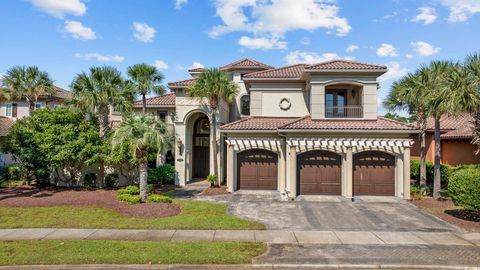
354	93
179	145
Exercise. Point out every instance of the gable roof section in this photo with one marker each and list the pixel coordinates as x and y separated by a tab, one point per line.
5	125
196	69
246	63
381	123
182	83
344	65
287	72
162	100
454	127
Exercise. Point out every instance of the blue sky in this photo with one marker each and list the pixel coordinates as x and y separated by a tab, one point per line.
65	37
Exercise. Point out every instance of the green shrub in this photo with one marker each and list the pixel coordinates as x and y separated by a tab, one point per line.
445	171
11	173
164	174
111	179
129	198
212	179
130	190
89	180
150	189
464	188
157	198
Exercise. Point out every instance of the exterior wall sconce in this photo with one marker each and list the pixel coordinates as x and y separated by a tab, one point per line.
354	93
179	145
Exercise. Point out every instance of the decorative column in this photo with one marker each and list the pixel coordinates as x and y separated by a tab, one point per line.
349	173
406	173
293	171
230	168
282	169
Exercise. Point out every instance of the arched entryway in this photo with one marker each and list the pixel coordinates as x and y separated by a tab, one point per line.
373	174
201	148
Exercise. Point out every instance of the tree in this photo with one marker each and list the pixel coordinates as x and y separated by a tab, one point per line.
213	86
137	135
405	95
472	67
54	139
95	92
146	79
21	82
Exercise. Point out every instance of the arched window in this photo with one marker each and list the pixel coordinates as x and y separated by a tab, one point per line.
245	105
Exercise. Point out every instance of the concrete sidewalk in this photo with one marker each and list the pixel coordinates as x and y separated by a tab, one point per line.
278	237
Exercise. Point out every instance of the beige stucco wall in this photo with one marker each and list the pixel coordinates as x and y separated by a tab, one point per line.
153	111
265	99
23	107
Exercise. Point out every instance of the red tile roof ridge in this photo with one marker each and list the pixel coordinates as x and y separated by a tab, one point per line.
396	121
295	121
345	61
258	63
274	69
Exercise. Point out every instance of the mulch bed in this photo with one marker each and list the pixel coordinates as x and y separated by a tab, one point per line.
28	196
445	209
212	191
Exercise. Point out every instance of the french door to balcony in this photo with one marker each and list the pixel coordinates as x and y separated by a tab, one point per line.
335	102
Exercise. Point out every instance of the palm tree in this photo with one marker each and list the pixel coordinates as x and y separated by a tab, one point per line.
21	82
137	135
405	96
95	92
146	79
213	86
472	67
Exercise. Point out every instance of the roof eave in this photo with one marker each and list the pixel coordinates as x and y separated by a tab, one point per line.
359	131
379	71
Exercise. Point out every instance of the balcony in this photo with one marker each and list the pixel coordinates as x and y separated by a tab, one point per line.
347	111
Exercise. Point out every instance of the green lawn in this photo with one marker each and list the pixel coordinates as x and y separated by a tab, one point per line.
194	215
127	252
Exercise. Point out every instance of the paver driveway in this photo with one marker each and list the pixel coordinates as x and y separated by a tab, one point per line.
331	213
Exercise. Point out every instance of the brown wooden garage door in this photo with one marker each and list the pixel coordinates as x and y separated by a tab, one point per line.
319	173
257	169
373	174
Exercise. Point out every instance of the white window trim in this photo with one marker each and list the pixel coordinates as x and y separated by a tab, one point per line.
11	109
42	105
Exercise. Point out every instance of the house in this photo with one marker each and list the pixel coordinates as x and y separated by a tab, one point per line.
10	111
299	130
456	141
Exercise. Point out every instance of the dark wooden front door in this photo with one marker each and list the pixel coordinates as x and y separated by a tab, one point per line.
201	148
257	169
319	173
373	174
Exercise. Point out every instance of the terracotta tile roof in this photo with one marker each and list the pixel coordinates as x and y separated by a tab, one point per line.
454	127
258	123
287	72
5	125
381	123
162	100
245	64
344	64
183	83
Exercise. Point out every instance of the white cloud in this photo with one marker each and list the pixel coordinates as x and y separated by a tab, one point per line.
427	15
300	57
424	49
143	32
262	43
160	64
408	56
180	3
352	48
276	18
305	41
197	65
59	8
461	10
78	31
395	71
387	50
100	57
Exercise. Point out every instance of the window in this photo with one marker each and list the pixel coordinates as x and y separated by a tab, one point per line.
245	105
162	115
8	109
38	105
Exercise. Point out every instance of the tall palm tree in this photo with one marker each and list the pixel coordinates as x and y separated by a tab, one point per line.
137	135
95	92
213	86
146	79
405	96
472	67
22	82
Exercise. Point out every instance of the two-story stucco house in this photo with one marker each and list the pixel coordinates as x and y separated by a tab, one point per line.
299	130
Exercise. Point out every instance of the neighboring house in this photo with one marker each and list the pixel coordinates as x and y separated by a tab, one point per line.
10	111
456	141
299	130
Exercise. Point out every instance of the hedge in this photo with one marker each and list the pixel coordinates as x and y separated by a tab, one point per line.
445	171
164	174
464	188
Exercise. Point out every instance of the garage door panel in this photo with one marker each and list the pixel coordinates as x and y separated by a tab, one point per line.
257	169
374	174
319	173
